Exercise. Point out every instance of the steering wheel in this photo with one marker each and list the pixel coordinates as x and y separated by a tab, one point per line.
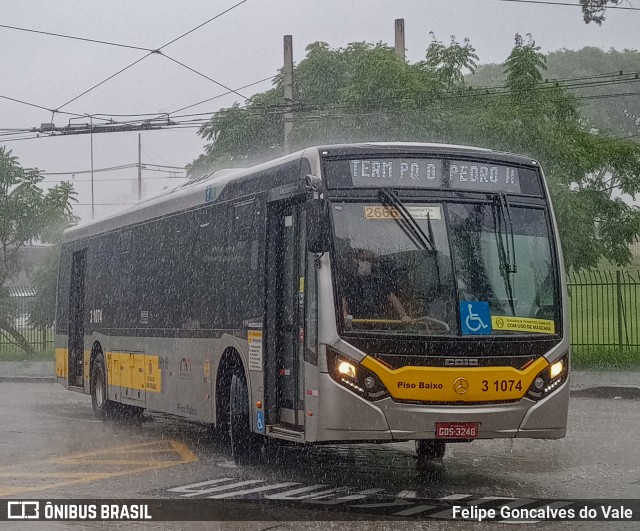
430	323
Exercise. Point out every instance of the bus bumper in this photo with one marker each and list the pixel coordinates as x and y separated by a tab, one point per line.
349	417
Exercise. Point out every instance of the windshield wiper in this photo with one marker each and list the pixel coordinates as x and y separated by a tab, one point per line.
407	222
506	252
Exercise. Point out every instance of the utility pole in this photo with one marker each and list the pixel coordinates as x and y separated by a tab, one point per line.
93	213
288	91
139	168
400	46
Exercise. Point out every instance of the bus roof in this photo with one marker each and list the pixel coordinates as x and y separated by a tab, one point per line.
189	194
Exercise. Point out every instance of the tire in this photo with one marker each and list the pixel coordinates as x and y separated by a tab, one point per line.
102	407
246	446
106	409
428	449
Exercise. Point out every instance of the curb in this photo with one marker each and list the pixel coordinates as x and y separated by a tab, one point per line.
608	392
28	379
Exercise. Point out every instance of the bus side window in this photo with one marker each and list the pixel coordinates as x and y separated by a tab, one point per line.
311	311
243	214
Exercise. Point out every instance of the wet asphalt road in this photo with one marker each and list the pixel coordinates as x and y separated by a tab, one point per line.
52	447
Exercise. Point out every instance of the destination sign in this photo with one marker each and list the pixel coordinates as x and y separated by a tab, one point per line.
433	173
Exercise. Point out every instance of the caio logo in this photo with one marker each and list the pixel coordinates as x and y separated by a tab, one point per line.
23	510
461	362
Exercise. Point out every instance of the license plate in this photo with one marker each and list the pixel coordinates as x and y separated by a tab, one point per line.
457	430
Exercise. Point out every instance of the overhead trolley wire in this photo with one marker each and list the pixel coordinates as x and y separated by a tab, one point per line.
157	178
203	24
96	41
103	82
206	77
156	51
571	4
95	170
223	94
35	105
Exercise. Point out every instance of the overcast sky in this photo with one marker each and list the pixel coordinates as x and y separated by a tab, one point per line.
240	47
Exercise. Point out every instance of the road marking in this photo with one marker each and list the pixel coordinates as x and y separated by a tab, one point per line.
406	503
252	491
416	510
86	467
362	495
224	487
398	502
294	494
189	489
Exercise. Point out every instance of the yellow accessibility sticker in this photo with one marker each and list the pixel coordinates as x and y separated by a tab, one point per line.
523	324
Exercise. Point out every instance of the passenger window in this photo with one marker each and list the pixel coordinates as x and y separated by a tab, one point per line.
243	219
311	311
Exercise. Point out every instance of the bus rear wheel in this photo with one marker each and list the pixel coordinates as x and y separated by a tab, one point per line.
245	445
428	449
102	407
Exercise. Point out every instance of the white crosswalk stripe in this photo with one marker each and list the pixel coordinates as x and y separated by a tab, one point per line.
305	493
255	490
195	488
405	503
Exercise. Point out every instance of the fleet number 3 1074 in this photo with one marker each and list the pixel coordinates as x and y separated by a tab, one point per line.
502	385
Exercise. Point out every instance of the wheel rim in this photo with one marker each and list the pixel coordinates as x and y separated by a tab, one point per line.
99	391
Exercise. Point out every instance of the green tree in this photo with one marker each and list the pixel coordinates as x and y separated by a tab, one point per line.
27	213
594	10
365	93
608	99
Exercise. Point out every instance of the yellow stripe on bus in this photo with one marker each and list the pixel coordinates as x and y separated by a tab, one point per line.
456	384
124	369
62	370
134	371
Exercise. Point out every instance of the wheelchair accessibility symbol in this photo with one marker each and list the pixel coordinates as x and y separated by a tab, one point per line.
260	421
475	318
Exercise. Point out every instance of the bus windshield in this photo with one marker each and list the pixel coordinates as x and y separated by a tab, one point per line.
444	268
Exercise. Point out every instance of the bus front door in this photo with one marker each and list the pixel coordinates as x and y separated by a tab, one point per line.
76	318
285	306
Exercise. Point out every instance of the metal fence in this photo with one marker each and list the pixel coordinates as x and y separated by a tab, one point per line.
40	340
605	311
604	308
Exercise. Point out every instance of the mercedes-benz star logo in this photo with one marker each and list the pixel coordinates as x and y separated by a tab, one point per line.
461	386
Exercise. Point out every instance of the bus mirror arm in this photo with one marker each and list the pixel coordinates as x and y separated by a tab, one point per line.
313	185
317	226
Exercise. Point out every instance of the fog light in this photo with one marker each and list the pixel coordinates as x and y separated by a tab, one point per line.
369	382
556	369
347	369
538	382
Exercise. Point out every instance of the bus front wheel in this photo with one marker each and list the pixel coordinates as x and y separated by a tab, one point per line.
245	445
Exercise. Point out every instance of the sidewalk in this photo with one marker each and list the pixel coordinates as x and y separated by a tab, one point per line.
616	383
591	379
27	371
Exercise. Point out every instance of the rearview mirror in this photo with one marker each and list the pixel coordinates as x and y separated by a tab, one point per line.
317	223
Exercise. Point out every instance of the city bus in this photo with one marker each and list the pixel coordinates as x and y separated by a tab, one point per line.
371	292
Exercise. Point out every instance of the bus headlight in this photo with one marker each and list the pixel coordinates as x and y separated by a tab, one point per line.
347	369
549	379
556	369
354	376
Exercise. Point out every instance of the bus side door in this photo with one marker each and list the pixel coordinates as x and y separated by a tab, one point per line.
285	312
76	318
